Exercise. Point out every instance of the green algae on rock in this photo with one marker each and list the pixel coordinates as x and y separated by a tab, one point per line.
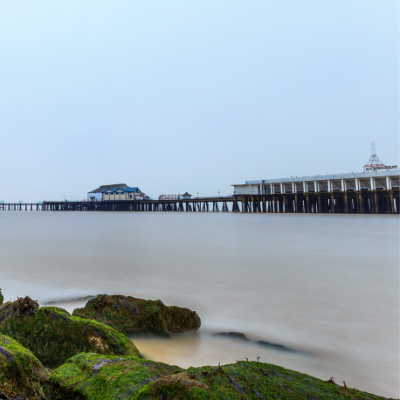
92	376
139	317
21	373
54	336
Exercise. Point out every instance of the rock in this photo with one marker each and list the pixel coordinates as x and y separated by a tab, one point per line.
232	335
21	373
92	377
242	336
1	298
61	301
139	317
85	376
273	345
53	335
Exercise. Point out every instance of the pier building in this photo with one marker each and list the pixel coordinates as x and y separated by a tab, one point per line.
122	193
375	191
97	194
118	191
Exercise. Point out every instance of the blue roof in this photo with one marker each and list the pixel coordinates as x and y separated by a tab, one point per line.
123	189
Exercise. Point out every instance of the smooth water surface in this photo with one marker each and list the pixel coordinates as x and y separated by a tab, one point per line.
326	286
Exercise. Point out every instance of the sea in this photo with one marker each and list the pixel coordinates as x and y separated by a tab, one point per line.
324	286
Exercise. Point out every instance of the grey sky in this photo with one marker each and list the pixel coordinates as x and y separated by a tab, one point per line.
196	96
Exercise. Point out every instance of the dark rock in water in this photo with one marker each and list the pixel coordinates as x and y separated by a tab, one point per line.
86	298
232	335
21	373
53	335
273	345
242	336
139	317
92	377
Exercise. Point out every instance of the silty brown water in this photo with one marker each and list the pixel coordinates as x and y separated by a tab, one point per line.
326	286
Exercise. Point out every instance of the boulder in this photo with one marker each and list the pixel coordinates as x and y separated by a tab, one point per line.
22	375
92	377
54	335
139	317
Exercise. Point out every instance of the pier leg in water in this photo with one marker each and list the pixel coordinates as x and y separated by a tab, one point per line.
346	204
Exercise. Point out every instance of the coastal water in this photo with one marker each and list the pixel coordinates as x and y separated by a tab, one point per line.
326	286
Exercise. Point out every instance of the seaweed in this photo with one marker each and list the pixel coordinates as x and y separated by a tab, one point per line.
92	376
134	316
21	374
54	335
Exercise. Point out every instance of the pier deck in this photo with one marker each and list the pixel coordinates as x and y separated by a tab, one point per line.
380	201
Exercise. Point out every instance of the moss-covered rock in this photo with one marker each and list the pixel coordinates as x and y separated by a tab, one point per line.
21	373
139	317
53	335
246	380
91	376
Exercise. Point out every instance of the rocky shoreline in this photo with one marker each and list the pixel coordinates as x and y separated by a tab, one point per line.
91	358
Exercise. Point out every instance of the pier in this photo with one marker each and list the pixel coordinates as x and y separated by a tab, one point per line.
204	204
375	192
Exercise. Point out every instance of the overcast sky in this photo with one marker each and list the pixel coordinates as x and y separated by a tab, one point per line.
192	95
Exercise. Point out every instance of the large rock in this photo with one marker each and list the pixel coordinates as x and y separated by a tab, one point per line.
92	377
21	373
53	335
139	317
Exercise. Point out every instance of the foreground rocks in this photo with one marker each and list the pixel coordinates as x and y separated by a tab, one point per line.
21	373
100	363
91	376
84	377
53	335
139	317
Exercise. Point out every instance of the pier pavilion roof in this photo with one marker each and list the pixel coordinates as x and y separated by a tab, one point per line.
123	189
101	188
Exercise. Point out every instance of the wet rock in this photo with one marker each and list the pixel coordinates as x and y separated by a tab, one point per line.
139	317
85	376
86	298
242	336
22	375
232	335
53	335
273	345
91	376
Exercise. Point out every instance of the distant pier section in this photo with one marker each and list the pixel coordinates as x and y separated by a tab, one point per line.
370	192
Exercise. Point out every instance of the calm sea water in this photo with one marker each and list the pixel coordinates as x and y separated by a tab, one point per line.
326	286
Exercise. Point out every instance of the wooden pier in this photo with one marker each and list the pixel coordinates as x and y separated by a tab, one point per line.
335	202
363	202
205	204
371	192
